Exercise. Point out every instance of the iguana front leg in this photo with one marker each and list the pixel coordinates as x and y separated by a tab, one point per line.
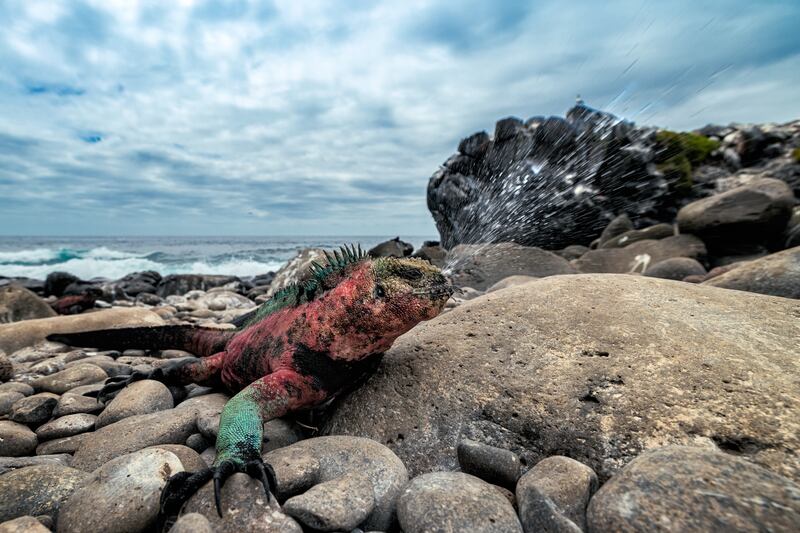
241	431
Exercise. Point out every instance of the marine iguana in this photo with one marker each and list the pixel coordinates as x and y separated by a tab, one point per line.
297	350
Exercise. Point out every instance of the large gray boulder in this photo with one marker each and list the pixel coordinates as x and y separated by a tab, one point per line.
18	303
776	274
481	266
681	488
742	219
19	335
595	367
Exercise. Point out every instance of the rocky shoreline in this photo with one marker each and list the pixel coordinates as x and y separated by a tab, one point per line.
640	377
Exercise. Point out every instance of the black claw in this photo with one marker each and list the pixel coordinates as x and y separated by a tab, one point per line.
112	386
183	485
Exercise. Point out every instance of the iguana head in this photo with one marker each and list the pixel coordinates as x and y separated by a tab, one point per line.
368	303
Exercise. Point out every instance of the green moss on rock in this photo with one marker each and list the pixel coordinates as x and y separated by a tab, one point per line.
679	153
796	155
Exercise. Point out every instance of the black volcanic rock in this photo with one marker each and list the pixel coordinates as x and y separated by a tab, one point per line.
549	182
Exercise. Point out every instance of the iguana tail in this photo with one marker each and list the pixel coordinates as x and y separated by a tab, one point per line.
198	340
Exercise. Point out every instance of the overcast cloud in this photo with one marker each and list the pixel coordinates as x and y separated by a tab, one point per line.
298	117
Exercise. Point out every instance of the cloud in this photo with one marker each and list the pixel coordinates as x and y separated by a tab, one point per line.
287	117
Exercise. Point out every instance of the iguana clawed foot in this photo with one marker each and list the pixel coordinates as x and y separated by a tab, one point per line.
113	386
183	485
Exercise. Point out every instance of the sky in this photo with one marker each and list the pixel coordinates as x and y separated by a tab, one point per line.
292	117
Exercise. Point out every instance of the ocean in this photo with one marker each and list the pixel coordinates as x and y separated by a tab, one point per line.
114	257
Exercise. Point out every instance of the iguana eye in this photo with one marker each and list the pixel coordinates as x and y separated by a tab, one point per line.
379	292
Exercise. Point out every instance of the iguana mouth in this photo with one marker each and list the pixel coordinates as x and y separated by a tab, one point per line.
443	289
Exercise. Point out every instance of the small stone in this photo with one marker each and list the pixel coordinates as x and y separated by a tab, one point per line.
138	398
197	442
23	524
189	458
13	386
83	389
7	464
278	433
111	367
172	426
461	501
208	425
63	445
676	268
131	352
69	378
7	399
71	403
699	489
122	495
175	354
66	426
34	410
491	464
336	505
16	439
555	486
244	508
192	523
304	464
37	490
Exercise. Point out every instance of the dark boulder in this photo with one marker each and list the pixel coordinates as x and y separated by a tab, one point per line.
432	252
139	282
56	282
741	220
392	248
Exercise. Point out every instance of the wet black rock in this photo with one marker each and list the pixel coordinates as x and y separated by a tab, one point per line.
432	252
139	282
550	183
56	282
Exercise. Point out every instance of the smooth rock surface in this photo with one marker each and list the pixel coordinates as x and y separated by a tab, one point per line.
69	378
34	410
481	266
659	231
134	433
776	274
489	463
189	458
70	403
18	303
16	439
309	462
7	464
640	255
454	501
27	333
244	508
602	366
63	445
66	426
7	400
192	523
511	281
37	490
556	485
681	488
337	505
754	213
138	398
676	268
23	524
122	495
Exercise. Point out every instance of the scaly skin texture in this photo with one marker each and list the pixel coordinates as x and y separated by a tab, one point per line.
299	350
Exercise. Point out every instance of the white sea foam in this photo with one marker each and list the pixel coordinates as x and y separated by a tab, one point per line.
38	255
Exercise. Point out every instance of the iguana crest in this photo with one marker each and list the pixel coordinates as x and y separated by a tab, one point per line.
305	291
